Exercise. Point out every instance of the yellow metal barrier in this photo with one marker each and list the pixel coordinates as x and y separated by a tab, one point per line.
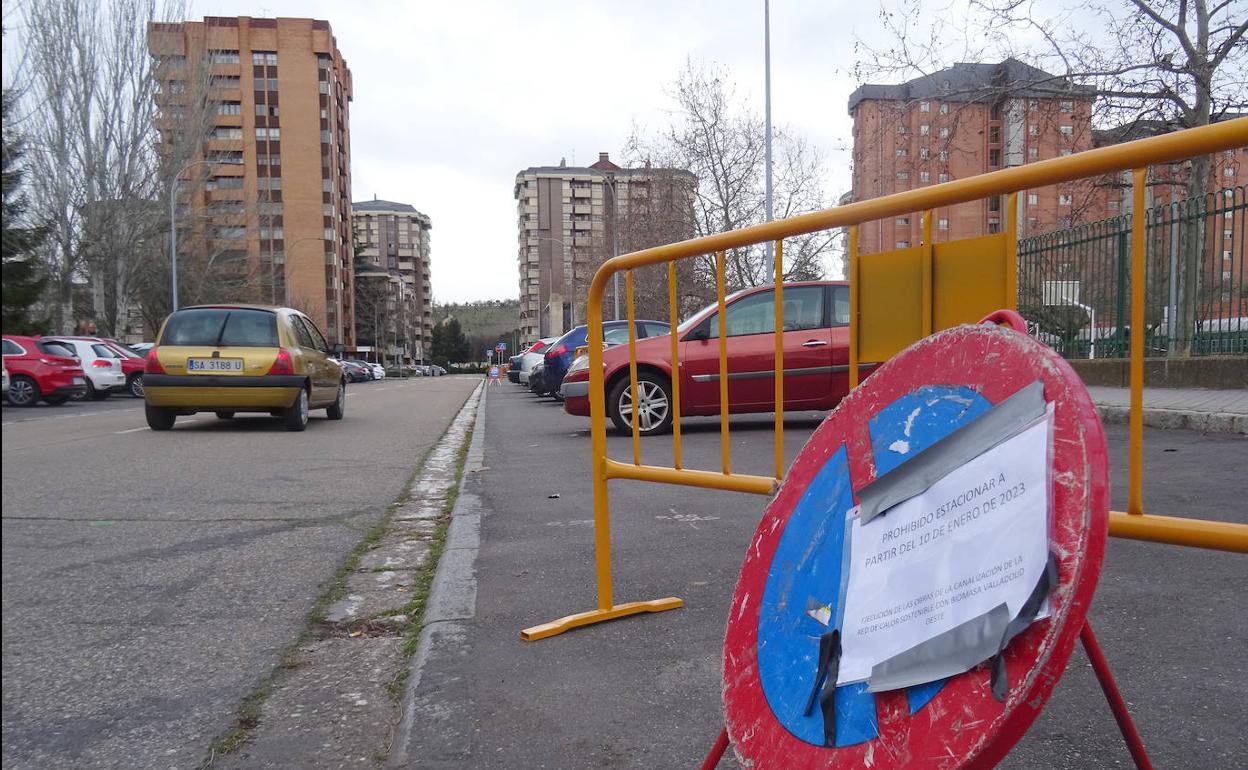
939	268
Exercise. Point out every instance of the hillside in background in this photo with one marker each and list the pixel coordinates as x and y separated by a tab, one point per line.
484	322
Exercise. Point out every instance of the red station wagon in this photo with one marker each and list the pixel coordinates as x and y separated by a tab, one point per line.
816	360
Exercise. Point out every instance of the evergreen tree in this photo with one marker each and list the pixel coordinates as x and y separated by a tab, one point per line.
23	278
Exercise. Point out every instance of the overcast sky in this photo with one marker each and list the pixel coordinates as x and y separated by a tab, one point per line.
452	99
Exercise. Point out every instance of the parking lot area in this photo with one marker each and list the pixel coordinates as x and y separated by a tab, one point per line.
645	691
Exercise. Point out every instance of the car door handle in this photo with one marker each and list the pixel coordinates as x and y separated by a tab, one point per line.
814	343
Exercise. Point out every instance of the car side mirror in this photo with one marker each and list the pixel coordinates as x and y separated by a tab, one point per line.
701	334
338	350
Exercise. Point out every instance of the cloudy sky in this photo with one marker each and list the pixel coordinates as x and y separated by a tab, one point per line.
452	99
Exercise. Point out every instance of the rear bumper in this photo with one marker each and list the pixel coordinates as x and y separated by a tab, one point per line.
211	391
577	389
68	391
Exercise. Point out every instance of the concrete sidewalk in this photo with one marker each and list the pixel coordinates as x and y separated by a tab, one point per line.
1210	411
646	692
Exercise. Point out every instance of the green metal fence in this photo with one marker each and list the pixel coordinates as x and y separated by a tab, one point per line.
1073	284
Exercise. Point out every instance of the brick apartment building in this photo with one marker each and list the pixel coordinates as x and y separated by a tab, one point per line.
971	119
394	237
276	146
572	218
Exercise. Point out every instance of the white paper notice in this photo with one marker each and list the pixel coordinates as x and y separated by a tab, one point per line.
978	537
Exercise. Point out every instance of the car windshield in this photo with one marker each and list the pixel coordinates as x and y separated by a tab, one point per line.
221	327
688	322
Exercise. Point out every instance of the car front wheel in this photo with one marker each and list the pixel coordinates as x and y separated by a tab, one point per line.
653	408
23	391
337	409
296	417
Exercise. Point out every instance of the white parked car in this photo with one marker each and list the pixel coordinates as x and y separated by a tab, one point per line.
4	386
533	356
100	363
379	371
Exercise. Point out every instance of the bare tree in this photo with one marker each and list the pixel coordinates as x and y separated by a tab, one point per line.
88	95
1153	66
721	141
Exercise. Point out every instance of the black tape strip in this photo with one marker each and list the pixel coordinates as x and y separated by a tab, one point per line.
829	668
1000	681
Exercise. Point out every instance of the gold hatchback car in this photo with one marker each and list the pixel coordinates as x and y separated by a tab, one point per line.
241	358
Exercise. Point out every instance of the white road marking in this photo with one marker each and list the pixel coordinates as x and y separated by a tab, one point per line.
132	430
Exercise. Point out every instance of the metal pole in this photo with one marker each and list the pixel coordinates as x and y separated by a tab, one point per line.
1172	309
173	237
767	257
615	242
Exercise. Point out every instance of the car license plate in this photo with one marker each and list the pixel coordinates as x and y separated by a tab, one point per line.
214	364
79	381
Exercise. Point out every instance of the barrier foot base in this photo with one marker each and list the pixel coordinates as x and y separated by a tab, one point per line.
556	627
1116	704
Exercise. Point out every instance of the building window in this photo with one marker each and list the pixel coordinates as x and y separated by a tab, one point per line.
925	176
925	130
326	137
994	157
925	153
269	183
925	106
902	152
942	224
1033	130
944	109
1113	205
1064	152
223	57
944	176
1067	130
903	244
324	87
944	155
1228	171
264	84
944	133
264	57
1068	105
1033	153
903	220
903	175
230	108
1228	234
224	183
1033	105
268	133
227	132
329	233
1063	199
1032	199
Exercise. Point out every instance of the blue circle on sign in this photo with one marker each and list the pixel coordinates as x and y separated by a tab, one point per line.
802	597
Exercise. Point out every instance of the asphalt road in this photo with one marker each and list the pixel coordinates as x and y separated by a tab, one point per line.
644	692
150	580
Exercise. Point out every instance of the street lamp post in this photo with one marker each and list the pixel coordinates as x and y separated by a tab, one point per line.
609	179
548	283
768	257
173	214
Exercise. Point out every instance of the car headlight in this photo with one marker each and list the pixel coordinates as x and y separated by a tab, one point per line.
579	365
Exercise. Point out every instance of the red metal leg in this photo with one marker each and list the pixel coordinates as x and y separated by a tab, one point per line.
717	751
1116	703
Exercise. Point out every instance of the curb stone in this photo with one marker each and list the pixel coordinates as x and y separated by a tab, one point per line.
452	600
1178	419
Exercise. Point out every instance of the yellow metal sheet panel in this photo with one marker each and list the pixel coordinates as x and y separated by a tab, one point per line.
890	302
968	280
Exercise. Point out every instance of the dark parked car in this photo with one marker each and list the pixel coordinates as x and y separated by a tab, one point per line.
357	372
560	354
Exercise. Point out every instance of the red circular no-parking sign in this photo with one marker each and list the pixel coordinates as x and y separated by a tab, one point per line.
920	396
